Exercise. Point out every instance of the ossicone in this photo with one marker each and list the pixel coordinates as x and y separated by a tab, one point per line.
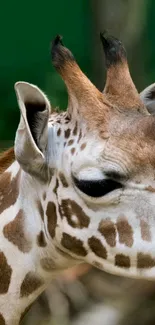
59	53
113	49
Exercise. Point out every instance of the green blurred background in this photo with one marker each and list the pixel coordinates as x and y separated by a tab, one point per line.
27	29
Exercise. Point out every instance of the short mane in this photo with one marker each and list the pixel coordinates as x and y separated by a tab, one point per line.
6	159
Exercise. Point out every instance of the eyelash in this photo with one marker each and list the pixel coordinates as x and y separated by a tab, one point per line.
97	188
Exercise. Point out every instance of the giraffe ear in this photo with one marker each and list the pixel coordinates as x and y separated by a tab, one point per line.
148	98
31	136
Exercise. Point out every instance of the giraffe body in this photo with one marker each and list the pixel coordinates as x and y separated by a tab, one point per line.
82	186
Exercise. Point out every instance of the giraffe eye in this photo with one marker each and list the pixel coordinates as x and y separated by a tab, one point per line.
97	188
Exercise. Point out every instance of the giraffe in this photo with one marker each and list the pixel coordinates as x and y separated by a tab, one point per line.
78	186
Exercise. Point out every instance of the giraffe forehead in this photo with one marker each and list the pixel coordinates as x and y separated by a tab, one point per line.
134	136
80	140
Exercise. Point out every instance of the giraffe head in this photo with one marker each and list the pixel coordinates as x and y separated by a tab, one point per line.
95	164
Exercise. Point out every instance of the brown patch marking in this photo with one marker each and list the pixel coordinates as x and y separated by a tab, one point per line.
58	121
107	229
30	284
56	186
41	239
145	261
51	218
58	132
68	208
40	209
6	159
80	135
70	142
9	190
83	146
5	274
63	180
75	129
67	119
150	189
47	264
122	261
97	247
67	133
14	232
73	244
145	230
2	320
72	151
125	231
44	196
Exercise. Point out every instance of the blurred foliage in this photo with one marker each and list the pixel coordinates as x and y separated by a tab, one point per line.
94	298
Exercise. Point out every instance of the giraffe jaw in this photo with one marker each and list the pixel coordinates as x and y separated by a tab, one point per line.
132	272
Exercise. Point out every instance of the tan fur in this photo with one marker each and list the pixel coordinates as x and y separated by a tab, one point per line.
120	89
96	108
81	90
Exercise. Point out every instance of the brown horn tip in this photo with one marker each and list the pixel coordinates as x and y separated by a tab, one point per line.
59	53
113	49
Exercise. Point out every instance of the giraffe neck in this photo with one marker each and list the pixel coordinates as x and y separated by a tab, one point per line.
28	257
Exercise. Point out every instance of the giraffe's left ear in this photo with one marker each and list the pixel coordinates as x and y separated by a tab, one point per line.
31	136
148	98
